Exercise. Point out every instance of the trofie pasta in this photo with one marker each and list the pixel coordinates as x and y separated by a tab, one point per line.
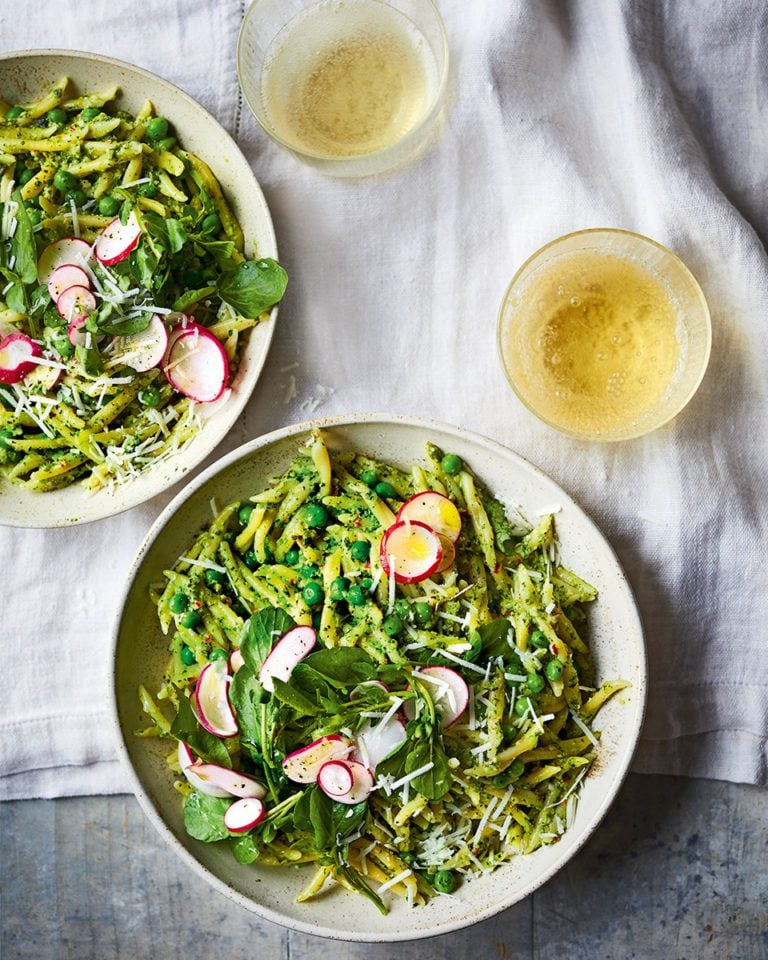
379	672
125	291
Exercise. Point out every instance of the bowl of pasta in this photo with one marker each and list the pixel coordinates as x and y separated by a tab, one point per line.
376	678
139	286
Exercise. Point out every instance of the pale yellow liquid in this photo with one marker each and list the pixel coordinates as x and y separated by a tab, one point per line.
347	79
593	344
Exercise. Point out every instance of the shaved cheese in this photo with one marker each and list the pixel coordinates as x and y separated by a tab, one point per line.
585	729
486	817
462	663
203	563
391	577
395	880
410	776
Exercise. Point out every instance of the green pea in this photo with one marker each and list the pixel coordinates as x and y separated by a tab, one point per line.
451	464
402	608
5	436
157	128
149	396
146	190
193	278
338	588
422	613
554	670
187	655
315	516
214	578
179	602
90	113
25	175
217	654
250	559
369	477
367	584
14	113
244	514
211	225
444	881
167	143
292	556
312	594
309	571
360	550
57	115
513	772
32	203
108	206
191	620
77	195
522	705
386	490
539	640
392	625
356	595
535	683
35	215
64	180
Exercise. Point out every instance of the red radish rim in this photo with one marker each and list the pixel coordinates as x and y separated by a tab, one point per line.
362	786
24	365
122	238
292	657
403	511
234	782
67	312
82	281
152	341
333	768
298	762
173	369
460	690
205	722
384	554
61	253
235	810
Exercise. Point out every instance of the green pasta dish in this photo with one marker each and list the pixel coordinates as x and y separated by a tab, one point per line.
124	291
378	672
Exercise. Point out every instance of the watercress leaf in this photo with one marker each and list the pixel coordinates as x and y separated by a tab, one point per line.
177	235
435	782
126	327
292	697
39	301
245	695
90	360
187	728
321	818
204	817
261	632
342	666
144	264
23	243
15	296
302	814
221	251
244	848
313	684
494	637
191	297
255	286
394	765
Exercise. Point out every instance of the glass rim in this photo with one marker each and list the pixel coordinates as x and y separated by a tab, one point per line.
334	159
676	408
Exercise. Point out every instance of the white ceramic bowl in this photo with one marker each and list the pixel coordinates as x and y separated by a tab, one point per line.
27	74
140	653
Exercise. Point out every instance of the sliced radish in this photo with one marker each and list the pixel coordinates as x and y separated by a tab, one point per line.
62	253
43	379
212	700
357	691
413	550
448	690
289	650
117	240
374	741
449	554
65	277
76	332
17	357
436	511
75	302
303	765
335	779
145	350
236	661
197	365
236	784
186	760
244	815
362	783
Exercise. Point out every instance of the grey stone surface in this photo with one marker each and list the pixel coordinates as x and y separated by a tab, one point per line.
677	871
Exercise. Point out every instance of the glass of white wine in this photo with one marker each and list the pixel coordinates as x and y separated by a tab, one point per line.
349	86
604	334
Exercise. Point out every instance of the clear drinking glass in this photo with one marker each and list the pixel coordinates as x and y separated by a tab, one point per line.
604	334
352	87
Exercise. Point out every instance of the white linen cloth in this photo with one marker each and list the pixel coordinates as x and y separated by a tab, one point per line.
560	115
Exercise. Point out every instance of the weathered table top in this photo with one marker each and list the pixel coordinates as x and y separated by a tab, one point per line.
677	871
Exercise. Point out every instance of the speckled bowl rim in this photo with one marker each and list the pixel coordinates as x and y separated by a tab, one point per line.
151	484
627	747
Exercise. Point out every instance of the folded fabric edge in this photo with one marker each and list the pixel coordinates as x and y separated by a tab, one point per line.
103	777
735	756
